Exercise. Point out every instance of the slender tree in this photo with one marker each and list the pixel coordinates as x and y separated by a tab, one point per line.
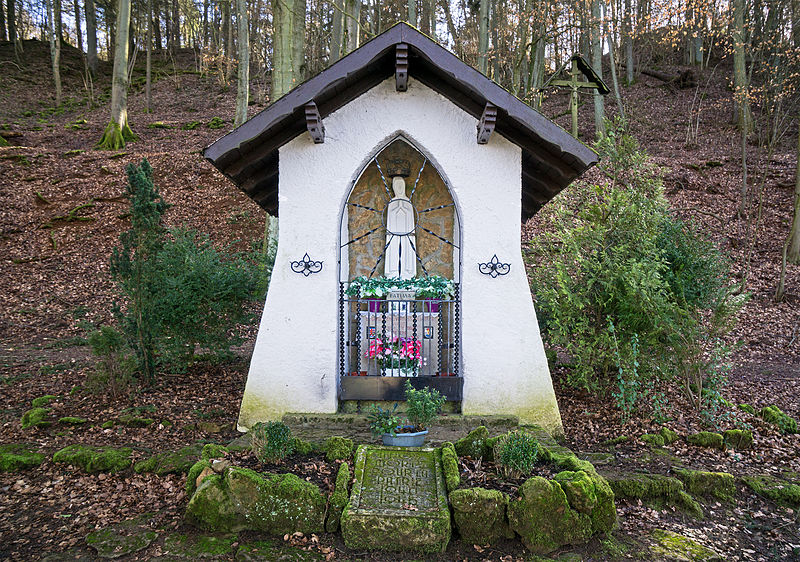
412	12
740	82
91	36
243	90
791	248
483	36
288	17
118	131
55	47
352	21
597	64
77	8
337	30
2	23
12	27
628	32
148	63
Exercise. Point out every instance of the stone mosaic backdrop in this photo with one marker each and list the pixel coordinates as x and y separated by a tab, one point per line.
437	256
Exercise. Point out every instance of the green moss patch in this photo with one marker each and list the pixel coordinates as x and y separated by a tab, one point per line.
72	420
192	547
19	456
480	515
213	451
655	489
707	439
664	437
245	500
121	539
269	551
338	499
35	417
672	546
475	444
747	408
338	449
129	420
170	462
775	416
43	401
720	485
95	459
194	473
452	478
776	489
738	439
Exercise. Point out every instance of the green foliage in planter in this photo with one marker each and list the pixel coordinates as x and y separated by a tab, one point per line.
636	297
180	292
383	421
422	406
431	287
271	441
519	453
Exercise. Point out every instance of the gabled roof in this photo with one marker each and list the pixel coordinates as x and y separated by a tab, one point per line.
551	157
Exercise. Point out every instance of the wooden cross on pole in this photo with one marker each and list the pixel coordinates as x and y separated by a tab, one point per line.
579	66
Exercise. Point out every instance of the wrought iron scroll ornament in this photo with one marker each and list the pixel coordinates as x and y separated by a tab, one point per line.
306	266
494	268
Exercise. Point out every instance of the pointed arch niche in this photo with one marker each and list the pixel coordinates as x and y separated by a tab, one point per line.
436	236
372	245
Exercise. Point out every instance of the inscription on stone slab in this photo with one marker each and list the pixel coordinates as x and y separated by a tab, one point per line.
399	480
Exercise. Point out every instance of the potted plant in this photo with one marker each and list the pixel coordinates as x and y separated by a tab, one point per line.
374	289
433	288
399	357
422	407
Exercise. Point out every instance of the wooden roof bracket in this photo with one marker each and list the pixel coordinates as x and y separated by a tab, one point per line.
401	67
314	123
487	123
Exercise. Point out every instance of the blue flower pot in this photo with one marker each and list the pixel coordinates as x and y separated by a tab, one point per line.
405	439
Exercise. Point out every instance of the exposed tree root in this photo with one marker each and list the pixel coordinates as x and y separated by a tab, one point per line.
115	138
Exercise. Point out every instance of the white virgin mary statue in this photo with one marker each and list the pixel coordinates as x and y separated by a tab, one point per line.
401	259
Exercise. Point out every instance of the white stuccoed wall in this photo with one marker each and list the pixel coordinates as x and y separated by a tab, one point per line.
294	367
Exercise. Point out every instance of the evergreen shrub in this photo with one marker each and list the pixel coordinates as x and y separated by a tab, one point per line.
635	297
272	441
519	453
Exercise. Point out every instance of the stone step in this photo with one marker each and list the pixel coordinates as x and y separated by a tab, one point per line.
398	501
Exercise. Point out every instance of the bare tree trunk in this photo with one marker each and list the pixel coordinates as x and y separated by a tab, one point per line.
597	64
793	254
288	18
628	31
613	64
55	48
91	36
176	25
2	23
298	42
451	28
58	23
78	24
740	85
243	89
336	30
412	12
148	66
483	37
352	11
157	25
12	28
118	131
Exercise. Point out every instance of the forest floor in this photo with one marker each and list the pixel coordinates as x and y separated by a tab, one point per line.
62	209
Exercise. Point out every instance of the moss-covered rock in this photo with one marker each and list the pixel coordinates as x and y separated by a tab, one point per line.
19	456
480	515
95	459
707	439
720	485
775	416
121	539
685	502
193	547
672	546
338	449
653	439
194	472
452	478
474	444
338	499
246	500
241	443
747	408
655	489
590	494
543	518
43	401
170	462
738	439
776	489
36	417
213	451
107	425
302	447
275	551
72	420
669	436
129	420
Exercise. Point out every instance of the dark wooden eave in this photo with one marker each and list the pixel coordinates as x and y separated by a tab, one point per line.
551	158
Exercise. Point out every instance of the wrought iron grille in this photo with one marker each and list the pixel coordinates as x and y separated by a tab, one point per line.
398	338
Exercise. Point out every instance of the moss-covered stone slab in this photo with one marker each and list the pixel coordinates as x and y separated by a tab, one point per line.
398	502
242	499
776	489
672	546
474	444
338	498
95	459
707	439
19	456
170	462
738	439
36	417
122	539
775	416
720	485
480	515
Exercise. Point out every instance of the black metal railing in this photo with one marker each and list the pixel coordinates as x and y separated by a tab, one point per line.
397	337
